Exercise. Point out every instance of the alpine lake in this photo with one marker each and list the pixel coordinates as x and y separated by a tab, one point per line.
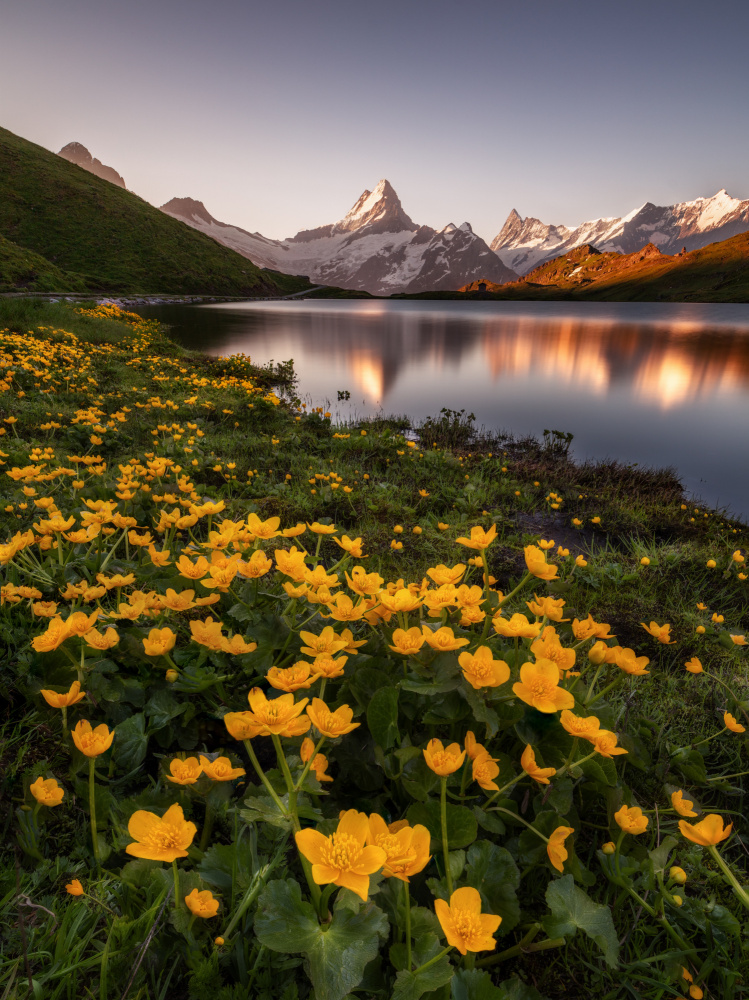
648	383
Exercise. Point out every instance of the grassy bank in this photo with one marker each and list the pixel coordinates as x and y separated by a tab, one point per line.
161	457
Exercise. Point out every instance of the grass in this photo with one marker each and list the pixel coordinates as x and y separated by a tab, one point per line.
261	459
108	238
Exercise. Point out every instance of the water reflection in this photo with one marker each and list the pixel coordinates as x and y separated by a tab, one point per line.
640	382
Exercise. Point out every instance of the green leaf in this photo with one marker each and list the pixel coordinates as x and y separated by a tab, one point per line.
222	862
474	985
600	769
382	717
482	712
337	954
461	823
131	742
516	989
284	922
412	985
492	870
571	908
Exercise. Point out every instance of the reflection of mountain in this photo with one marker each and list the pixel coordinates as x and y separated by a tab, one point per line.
655	363
662	366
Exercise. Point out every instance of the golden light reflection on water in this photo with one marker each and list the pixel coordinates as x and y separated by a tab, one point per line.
660	367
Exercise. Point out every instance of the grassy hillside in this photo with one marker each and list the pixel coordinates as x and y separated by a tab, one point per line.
715	273
113	239
22	269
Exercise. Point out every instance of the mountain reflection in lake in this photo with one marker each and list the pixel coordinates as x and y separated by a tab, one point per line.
656	384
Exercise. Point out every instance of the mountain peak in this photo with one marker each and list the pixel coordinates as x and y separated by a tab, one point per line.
188	209
76	152
379	210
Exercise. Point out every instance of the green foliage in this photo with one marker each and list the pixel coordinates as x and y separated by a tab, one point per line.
573	909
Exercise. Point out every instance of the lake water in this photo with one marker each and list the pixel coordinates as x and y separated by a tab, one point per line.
657	384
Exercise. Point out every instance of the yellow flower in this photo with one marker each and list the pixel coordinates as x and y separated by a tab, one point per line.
320	762
401	600
585	728
207	633
707	832
660	632
516	627
535	560
220	769
531	768
407	642
463	924
731	723
278	716
473	748
47	792
256	566
539	687
351	545
631	819
178	602
159	641
329	723
604	742
442	574
184	772
236	646
263	529
202	904
362	583
739	640
443	640
92	742
443	760
55	635
681	805
328	667
294	678
160	838
479	539
327	642
485	769
406	847
628	661
70	697
321	529
694	666
481	670
556	850
548	647
547	607
74	888
342	858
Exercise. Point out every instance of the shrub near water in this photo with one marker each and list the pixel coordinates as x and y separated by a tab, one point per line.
247	771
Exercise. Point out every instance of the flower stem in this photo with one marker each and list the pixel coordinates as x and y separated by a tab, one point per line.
92	807
519	587
261	774
176	884
207	826
443	820
408	926
737	888
432	961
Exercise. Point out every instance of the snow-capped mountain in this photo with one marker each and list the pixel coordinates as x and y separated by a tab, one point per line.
76	152
376	247
525	243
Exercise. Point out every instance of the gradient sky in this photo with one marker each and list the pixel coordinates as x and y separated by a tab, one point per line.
277	115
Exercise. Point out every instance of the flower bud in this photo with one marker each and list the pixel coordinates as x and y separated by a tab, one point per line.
677	900
597	653
677	874
609	847
171	675
644	561
219	940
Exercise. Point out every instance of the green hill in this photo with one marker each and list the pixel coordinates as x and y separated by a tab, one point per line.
24	270
111	239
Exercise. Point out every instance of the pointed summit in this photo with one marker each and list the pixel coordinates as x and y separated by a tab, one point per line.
76	152
379	210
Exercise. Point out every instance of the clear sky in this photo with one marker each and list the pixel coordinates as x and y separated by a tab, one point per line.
277	115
